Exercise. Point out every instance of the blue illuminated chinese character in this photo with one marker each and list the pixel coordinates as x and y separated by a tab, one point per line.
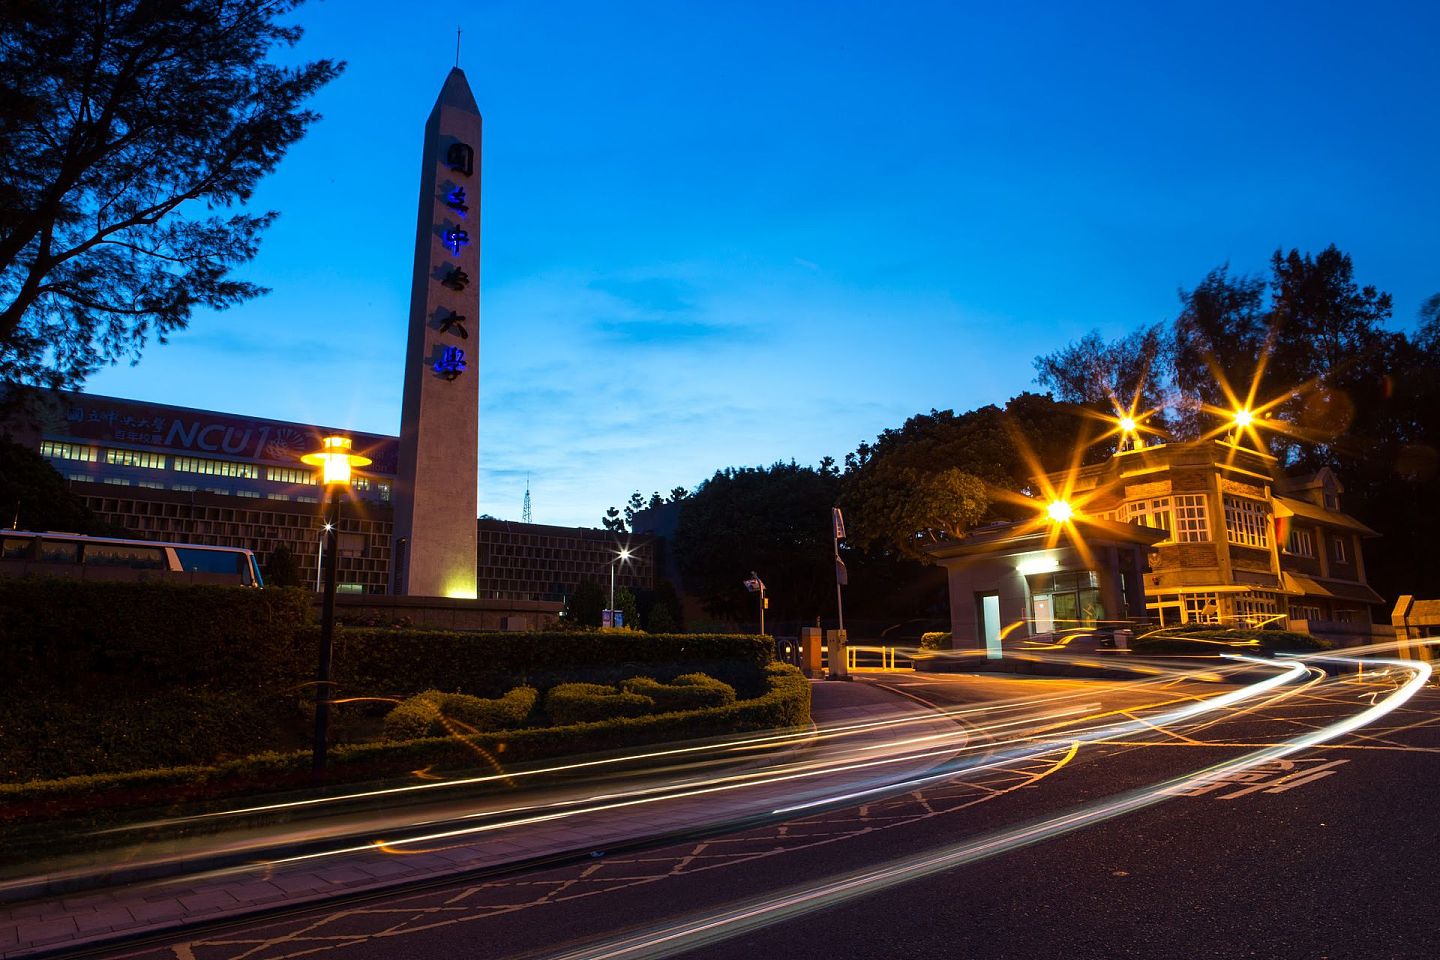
455	239
455	200
451	363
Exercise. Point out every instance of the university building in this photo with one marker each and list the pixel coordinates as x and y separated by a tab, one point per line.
178	474
1200	532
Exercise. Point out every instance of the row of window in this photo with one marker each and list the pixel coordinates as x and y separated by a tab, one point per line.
1247	523
206	467
1301	543
217	468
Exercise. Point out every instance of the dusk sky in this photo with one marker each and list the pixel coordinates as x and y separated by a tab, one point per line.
733	233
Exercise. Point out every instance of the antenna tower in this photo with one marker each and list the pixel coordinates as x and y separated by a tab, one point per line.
525	511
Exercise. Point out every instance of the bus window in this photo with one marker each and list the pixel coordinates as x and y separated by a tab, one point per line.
121	555
16	548
59	551
211	561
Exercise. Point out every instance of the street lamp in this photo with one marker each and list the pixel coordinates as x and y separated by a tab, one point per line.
1060	511
756	585
334	460
624	554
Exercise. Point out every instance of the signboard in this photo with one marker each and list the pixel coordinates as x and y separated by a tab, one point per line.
158	426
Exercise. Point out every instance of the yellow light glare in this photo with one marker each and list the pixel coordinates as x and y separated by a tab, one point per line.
335	460
1243	418
1127	425
1060	511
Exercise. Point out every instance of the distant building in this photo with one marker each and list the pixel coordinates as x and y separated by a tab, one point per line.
1206	532
195	476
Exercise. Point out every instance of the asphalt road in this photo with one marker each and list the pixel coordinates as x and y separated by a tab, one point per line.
1329	853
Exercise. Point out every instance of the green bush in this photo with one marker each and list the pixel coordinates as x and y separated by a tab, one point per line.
499	713
100	732
784	704
211	672
1212	639
936	640
424	714
570	703
690	691
489	664
417	717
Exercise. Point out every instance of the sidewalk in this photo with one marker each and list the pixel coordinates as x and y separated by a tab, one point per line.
452	845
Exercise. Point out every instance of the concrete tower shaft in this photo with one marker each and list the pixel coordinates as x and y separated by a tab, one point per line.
435	490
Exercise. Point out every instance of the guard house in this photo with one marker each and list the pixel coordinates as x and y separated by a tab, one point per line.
1015	581
1208	531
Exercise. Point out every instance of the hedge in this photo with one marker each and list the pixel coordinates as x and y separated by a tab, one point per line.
406	661
195	674
690	691
1207	638
424	714
784	705
571	703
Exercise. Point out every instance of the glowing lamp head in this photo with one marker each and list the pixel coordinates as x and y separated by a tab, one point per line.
624	553
1243	418
1059	511
1127	424
335	460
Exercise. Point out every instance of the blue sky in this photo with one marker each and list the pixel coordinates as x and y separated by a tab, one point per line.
729	233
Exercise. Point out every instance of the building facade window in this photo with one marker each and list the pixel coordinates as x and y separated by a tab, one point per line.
183	487
68	451
1154	513
1338	552
1257	608
135	458
1300	543
1247	522
1202	608
217	468
1192	521
151	484
291	475
116	481
1305	611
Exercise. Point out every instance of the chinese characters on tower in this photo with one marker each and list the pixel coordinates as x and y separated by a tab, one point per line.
460	158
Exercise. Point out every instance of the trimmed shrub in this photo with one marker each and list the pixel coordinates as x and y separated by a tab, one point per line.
690	691
489	664
98	799
424	714
500	713
589	702
936	640
210	672
414	718
1209	638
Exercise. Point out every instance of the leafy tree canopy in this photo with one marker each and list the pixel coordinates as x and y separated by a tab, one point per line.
34	497
774	521
129	131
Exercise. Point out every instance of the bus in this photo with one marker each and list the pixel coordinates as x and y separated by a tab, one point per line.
27	554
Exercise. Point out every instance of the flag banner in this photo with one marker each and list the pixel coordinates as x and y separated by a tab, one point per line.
839	523
841	576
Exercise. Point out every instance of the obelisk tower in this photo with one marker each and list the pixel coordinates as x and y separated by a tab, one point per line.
435	492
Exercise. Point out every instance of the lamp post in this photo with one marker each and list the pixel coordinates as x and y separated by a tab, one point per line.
756	585
624	554
335	461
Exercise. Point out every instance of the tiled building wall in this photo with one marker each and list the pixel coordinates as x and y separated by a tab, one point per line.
259	525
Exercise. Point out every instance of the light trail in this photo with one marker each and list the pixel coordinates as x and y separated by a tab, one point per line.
730	745
761	912
1021	748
